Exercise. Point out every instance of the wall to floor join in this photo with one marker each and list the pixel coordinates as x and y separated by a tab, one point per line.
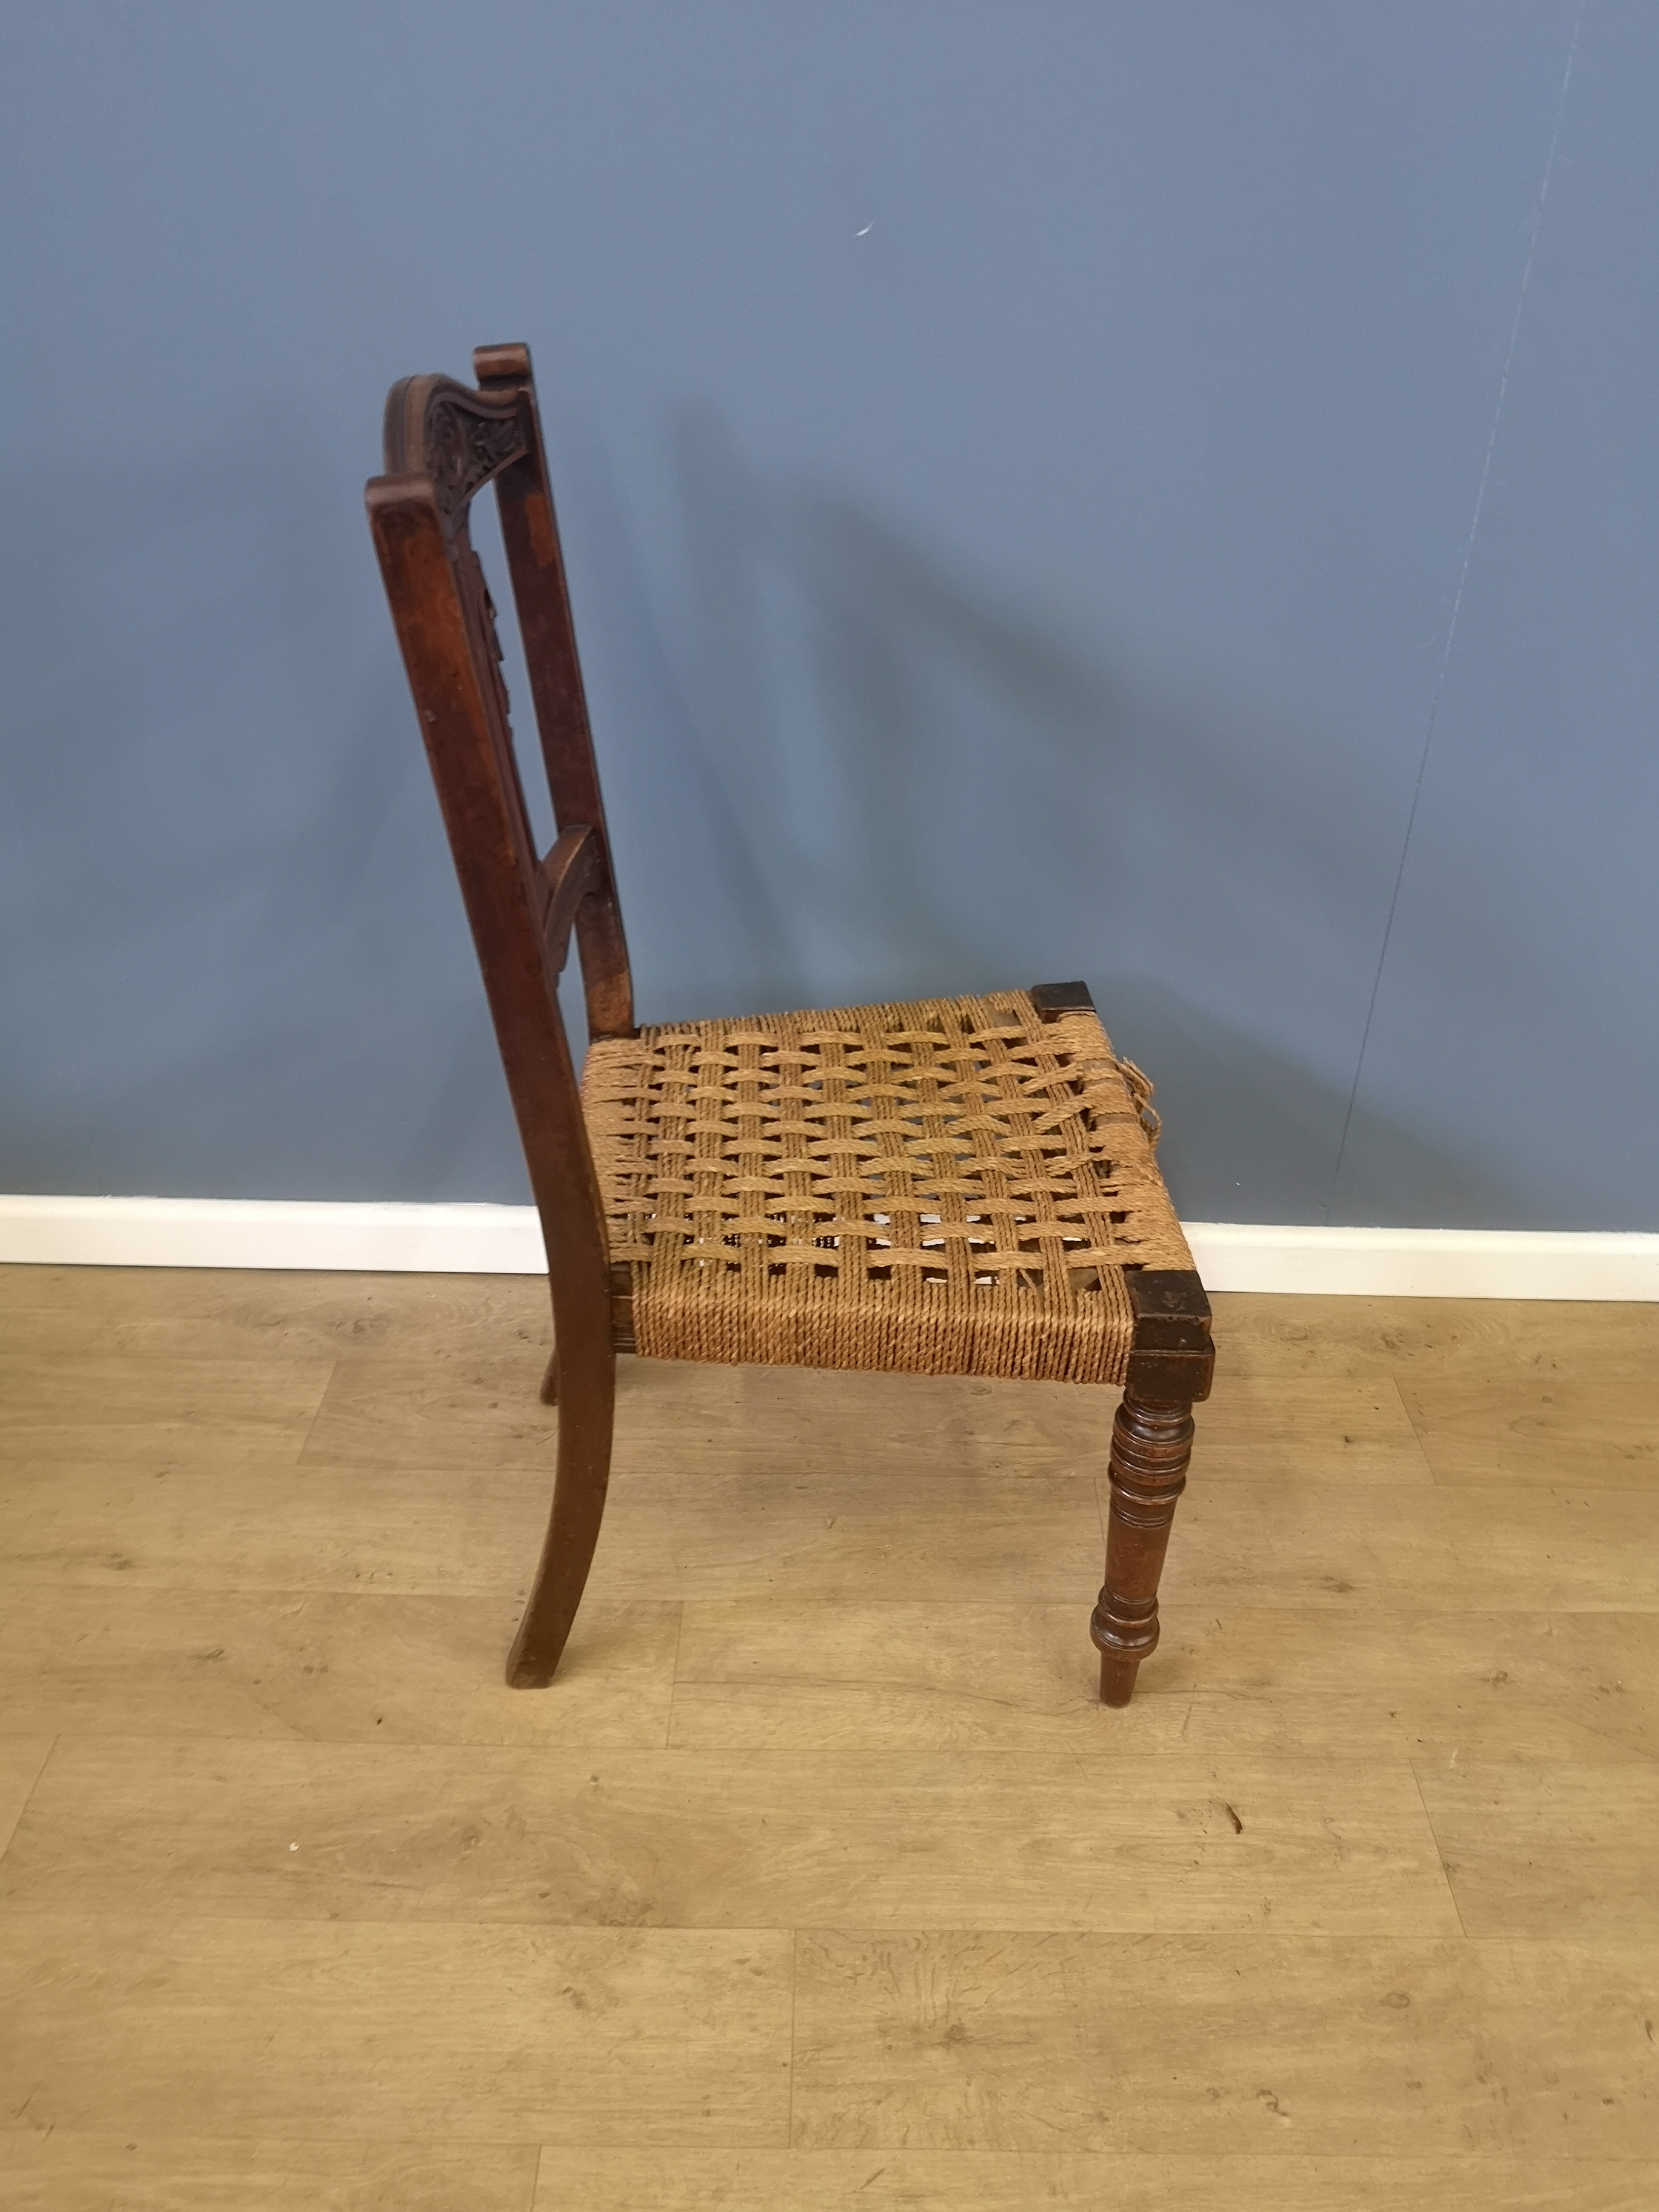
392	1237
1164	495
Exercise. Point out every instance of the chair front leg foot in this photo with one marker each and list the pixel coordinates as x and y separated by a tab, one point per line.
1152	1444
586	1397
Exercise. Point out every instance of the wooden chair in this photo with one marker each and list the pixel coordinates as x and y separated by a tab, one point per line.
953	1187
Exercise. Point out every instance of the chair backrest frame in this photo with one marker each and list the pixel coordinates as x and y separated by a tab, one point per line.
444	443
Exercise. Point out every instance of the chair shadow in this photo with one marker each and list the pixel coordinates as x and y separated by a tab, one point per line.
839	769
935	789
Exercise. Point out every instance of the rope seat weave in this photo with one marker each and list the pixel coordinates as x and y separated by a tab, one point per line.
953	1187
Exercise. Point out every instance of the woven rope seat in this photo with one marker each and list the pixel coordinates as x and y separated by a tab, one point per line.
953	1187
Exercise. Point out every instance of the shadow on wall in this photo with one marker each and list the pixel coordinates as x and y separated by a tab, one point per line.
1242	1119
840	771
921	788
238	966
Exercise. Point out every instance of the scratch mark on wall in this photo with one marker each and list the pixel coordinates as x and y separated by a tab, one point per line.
1457	600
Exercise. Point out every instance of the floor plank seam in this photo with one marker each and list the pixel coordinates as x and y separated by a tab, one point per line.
1439	1852
674	1681
794	1987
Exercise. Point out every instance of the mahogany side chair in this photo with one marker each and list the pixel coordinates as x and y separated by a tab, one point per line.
951	1187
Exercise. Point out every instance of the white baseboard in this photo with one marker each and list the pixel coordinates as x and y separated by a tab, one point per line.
259	1232
506	1240
1426	1263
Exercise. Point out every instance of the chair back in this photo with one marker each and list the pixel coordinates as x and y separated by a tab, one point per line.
444	443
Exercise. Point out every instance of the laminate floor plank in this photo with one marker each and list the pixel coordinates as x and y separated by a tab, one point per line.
322	1665
1223	2044
1117	2181
179	1410
821	1422
1365	1545
696	1840
379	2032
1266	1335
852	1534
678	1417
675	1417
67	2171
264	1524
783	1675
1599	1427
1476	1684
456	1413
1290	1541
842	1529
1339	1427
1335	1426
427	1528
773	1672
1547	1850
276	1314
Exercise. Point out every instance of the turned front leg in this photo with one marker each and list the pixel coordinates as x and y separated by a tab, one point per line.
1151	1443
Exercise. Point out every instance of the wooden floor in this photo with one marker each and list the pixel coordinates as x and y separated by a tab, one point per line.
819	1879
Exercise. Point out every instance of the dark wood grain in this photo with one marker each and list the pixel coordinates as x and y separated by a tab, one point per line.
572	869
443	444
1174	1357
1151	1445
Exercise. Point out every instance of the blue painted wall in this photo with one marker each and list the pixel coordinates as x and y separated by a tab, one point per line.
1162	494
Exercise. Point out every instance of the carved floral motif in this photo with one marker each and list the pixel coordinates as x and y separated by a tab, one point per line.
464	450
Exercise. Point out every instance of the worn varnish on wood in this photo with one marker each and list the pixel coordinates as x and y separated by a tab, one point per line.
954	1187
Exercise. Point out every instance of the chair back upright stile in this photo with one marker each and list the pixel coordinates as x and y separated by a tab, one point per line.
443	443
